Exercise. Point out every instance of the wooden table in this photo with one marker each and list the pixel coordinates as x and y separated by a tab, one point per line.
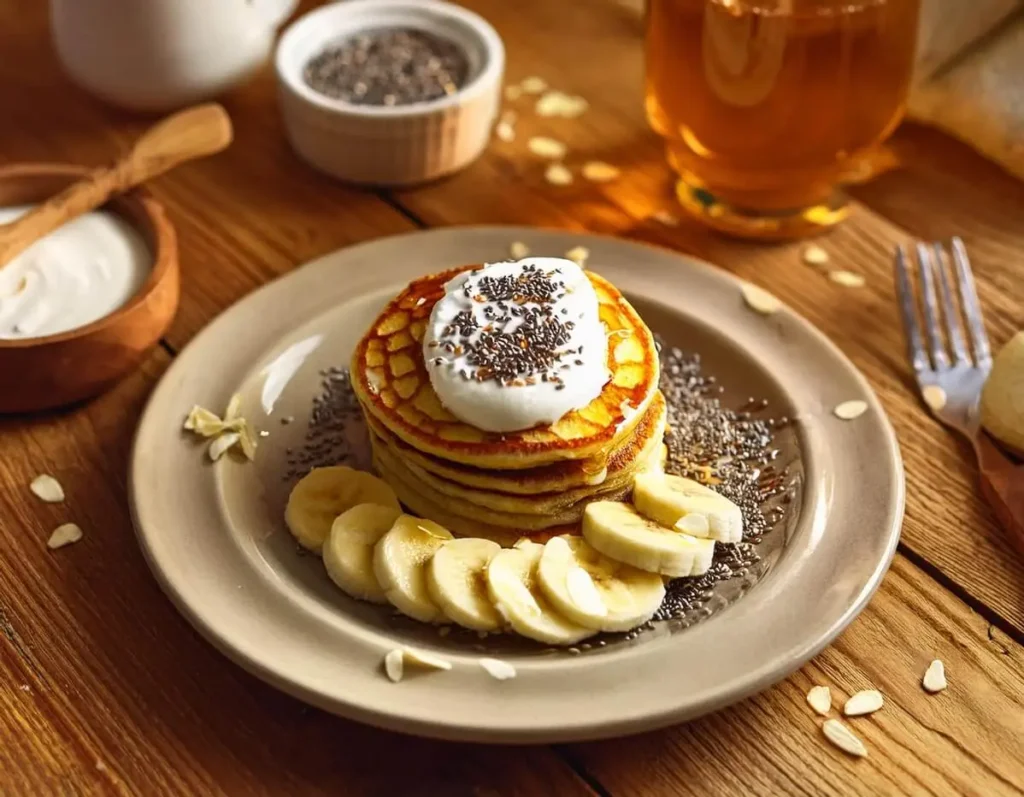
105	688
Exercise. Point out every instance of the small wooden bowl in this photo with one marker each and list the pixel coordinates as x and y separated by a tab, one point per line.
51	371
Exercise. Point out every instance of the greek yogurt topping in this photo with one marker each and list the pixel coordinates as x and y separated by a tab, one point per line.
515	345
80	272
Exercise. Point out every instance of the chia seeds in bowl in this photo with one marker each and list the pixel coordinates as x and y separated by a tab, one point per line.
389	67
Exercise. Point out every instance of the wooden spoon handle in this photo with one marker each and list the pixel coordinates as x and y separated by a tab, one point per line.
192	133
1002	484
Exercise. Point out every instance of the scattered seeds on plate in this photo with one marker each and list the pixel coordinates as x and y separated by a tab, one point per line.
505	132
496	668
518	250
934	396
847	279
578	255
513	92
867	701
820	699
665	217
533	85
814	255
934	677
64	535
544	147
395	661
46	488
849	410
843	738
759	299
221	443
599	171
558	103
558	174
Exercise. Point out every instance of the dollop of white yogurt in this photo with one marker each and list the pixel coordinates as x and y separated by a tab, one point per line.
510	309
79	273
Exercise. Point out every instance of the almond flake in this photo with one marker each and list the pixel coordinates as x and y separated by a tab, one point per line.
395	661
666	218
599	171
247	441
203	422
934	396
513	92
496	668
814	255
505	132
867	701
934	677
234	409
518	250
533	85
843	738
544	147
820	699
847	279
64	535
578	255
221	444
759	300
849	410
558	103
47	488
557	174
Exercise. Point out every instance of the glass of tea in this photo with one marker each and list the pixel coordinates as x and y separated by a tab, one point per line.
768	106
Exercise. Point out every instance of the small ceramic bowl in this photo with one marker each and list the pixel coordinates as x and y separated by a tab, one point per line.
390	145
45	372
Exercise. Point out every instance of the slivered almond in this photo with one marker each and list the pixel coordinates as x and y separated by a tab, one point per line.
666	218
599	171
934	396
847	279
545	147
578	255
849	410
395	661
934	677
759	300
843	738
518	250
814	255
221	444
820	699
558	174
867	701
505	132
64	535
496	668
533	85
46	488
558	103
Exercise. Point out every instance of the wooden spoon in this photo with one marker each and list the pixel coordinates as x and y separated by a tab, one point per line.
192	133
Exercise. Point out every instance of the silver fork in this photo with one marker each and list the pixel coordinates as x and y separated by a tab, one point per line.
951	367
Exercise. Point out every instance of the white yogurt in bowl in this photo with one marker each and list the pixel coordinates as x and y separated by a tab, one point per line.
81	272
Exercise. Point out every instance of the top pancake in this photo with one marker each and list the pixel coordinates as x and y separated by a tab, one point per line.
390	380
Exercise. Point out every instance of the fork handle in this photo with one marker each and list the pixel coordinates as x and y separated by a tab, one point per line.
1002	484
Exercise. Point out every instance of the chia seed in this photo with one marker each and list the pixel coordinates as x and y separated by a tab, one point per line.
389	66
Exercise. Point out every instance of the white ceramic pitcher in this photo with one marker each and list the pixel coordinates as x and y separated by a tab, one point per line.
157	55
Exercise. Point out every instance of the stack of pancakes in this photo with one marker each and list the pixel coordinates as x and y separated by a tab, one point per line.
503	486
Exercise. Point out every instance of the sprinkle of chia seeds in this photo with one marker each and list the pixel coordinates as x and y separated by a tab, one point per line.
389	66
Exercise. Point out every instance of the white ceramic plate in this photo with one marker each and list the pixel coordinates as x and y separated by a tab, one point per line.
215	539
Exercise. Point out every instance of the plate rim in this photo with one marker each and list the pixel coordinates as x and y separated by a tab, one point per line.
754	680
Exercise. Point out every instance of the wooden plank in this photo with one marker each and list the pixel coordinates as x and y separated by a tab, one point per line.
965	740
947	523
243	217
103	686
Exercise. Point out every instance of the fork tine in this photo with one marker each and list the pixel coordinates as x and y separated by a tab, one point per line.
915	345
972	307
949	310
931	308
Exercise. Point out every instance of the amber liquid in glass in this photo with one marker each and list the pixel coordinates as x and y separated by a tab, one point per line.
766	105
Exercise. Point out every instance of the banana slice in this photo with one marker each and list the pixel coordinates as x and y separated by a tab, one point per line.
348	551
513	588
457	582
620	532
595	591
325	493
400	563
671	499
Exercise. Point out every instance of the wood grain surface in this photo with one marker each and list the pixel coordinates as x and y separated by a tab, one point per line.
104	688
